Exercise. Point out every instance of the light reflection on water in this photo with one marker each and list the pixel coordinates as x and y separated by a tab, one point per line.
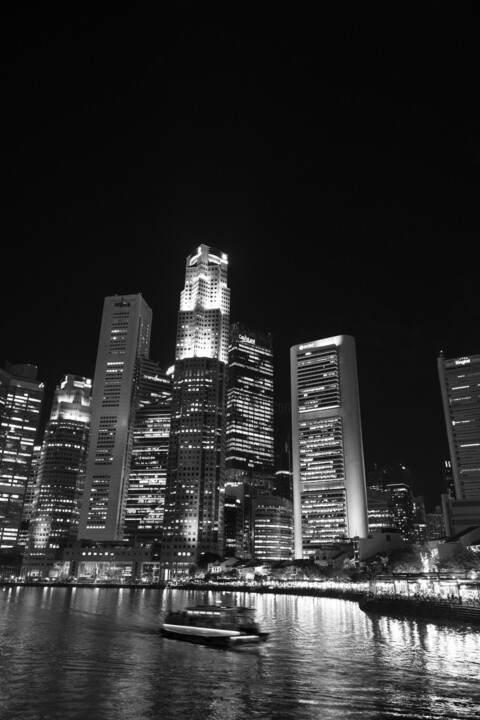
96	654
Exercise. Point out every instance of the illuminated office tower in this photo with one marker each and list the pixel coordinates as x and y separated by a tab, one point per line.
21	398
148	469
250	445
327	452
193	521
460	388
124	339
60	476
273	535
250	451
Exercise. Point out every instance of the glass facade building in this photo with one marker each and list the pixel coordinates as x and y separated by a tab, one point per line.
250	448
148	468
250	439
21	399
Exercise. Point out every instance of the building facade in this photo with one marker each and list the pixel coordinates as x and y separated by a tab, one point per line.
148	468
194	498
60	477
21	399
124	339
250	448
329	487
273	535
460	389
250	439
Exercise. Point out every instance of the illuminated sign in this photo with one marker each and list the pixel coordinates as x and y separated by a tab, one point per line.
245	338
463	361
305	347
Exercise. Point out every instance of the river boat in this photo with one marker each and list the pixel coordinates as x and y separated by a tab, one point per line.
218	625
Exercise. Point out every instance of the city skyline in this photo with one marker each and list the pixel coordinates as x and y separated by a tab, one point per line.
335	160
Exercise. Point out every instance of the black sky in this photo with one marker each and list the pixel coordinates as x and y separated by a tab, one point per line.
332	151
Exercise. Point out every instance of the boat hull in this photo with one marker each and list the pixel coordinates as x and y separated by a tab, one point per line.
215	638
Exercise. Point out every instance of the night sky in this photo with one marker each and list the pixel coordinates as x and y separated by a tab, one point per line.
332	152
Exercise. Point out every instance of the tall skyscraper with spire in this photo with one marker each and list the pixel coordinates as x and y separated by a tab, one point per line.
124	339
194	500
330	499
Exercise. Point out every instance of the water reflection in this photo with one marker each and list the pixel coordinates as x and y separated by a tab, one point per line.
96	653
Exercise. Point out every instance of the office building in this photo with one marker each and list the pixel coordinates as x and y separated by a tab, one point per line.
273	529
194	501
392	482
380	510
29	500
124	339
460	389
249	463
435	522
329	488
60	477
148	468
250	450
21	399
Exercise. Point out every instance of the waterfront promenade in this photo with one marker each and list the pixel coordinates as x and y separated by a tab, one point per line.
426	607
371	598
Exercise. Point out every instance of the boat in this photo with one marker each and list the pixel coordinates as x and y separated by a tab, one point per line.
217	625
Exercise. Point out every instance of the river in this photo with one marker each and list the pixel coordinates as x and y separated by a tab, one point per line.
97	654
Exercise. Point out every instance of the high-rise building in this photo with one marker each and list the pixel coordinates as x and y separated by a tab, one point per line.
327	450
124	339
60	476
193	520
28	502
250	442
148	469
21	398
250	449
460	388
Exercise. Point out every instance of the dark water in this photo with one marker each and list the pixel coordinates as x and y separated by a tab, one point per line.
96	654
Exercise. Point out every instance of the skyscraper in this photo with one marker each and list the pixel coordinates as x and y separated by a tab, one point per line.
250	449
460	388
21	398
250	443
124	339
60	476
148	469
193	521
327	450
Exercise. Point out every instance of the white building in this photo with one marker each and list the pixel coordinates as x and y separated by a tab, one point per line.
330	502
